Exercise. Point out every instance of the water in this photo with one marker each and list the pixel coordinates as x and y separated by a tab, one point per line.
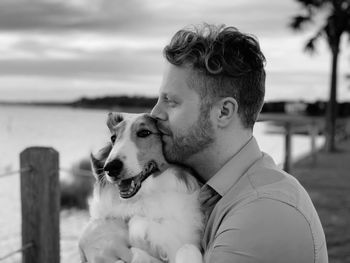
74	133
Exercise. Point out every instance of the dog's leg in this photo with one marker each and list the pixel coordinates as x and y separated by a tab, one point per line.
138	227
188	253
163	238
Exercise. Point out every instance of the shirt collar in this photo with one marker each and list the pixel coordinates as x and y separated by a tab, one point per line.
229	174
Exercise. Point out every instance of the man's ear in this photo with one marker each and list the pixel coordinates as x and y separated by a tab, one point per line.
113	119
227	110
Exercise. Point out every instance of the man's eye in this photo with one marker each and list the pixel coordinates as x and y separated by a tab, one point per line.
167	99
170	103
113	137
143	133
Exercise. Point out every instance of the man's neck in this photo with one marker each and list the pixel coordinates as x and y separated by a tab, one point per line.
208	162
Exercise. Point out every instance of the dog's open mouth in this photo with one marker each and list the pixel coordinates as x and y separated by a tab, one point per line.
129	187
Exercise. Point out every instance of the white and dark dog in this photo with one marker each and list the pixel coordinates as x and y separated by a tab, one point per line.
157	202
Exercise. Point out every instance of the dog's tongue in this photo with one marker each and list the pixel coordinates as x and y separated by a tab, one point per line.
129	187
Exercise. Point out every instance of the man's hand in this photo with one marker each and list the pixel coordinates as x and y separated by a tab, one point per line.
105	241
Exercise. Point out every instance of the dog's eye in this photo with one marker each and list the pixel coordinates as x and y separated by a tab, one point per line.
113	137
143	133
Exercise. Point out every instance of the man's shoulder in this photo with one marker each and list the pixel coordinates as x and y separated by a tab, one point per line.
266	183
269	203
277	185
265	225
265	180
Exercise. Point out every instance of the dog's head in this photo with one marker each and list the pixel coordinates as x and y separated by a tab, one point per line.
135	152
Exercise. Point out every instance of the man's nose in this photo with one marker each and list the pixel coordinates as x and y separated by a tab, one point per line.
158	113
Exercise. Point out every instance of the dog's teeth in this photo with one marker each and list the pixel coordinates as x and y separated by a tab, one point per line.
132	184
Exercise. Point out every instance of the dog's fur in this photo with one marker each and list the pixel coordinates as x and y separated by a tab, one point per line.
163	217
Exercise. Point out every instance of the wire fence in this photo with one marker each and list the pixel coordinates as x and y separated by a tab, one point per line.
25	247
4	174
80	172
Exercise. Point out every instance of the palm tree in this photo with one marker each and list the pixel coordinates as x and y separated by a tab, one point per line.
335	24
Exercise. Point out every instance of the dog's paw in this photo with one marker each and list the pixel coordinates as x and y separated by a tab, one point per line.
138	227
188	253
141	256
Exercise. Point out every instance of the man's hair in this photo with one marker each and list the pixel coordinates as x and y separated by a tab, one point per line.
225	63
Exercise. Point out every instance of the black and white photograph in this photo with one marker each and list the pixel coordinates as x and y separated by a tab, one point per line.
189	131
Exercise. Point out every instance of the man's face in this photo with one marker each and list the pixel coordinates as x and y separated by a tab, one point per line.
186	126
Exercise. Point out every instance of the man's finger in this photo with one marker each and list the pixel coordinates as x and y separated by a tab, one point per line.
103	259
121	253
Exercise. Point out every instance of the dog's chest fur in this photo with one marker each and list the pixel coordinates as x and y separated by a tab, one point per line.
163	216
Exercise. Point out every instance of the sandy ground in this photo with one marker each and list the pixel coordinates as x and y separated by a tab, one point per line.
328	182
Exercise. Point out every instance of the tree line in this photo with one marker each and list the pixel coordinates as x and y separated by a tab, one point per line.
317	108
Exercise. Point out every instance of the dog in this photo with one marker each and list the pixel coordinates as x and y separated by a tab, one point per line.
155	202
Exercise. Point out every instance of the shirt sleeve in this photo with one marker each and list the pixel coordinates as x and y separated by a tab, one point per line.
265	230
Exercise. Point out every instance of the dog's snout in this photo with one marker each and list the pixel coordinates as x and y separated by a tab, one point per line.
113	168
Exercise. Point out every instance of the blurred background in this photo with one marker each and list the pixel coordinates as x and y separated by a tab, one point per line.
64	64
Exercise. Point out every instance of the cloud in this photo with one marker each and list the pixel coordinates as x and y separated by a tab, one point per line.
140	16
34	88
65	15
78	29
107	65
255	16
76	44
74	28
70	45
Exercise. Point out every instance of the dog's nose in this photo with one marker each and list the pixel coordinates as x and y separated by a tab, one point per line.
113	168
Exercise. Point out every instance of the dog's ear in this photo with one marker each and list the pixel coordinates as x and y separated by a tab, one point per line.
151	119
98	161
113	119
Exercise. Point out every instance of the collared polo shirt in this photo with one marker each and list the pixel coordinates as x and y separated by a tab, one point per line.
264	214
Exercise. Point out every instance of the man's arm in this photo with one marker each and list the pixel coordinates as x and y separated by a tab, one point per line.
265	230
107	241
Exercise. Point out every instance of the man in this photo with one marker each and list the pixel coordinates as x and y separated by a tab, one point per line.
212	92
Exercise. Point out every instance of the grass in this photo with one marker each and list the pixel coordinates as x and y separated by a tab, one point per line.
76	187
327	180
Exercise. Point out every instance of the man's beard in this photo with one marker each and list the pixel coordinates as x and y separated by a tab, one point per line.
199	136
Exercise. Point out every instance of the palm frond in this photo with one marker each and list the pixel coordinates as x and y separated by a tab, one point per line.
310	44
313	3
298	22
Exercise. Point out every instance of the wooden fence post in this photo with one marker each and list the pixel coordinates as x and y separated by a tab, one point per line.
40	205
288	147
313	131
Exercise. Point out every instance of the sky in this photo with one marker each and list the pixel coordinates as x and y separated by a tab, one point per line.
62	50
